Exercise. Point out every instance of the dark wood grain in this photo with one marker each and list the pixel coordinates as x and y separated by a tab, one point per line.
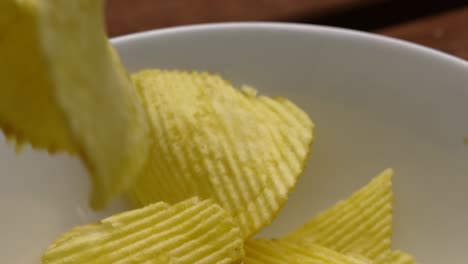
447	32
128	16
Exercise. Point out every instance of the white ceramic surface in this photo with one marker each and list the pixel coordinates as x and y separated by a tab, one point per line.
377	103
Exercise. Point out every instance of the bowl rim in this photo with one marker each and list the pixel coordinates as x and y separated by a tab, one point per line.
298	27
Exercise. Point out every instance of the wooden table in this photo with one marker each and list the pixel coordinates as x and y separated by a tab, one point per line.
442	25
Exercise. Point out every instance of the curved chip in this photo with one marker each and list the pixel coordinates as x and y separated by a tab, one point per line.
214	141
63	89
192	231
361	224
285	252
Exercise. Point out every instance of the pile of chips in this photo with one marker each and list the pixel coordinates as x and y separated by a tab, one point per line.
205	164
354	231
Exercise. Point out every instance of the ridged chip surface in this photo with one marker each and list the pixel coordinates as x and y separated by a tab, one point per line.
285	252
214	141
360	225
192	231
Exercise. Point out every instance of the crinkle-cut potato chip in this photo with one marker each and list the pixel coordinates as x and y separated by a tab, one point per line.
361	224
214	141
191	231
400	257
63	89
285	252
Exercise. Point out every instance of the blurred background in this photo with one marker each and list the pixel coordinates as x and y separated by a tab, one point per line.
440	24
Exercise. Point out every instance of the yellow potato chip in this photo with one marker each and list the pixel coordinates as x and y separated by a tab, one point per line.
214	141
63	89
361	224
400	257
9	13
192	231
285	252
27	109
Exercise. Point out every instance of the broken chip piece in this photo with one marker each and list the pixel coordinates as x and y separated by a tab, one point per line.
192	231
214	141
63	89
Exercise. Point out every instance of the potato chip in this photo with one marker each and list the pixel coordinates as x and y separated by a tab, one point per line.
400	257
8	16
361	224
27	109
192	231
214	141
63	89
285	252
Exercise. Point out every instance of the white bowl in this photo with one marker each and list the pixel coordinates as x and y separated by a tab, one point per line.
377	102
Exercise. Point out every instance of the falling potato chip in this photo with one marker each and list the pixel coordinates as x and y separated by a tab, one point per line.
400	257
27	109
192	231
63	89
361	224
285	252
9	12
214	141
